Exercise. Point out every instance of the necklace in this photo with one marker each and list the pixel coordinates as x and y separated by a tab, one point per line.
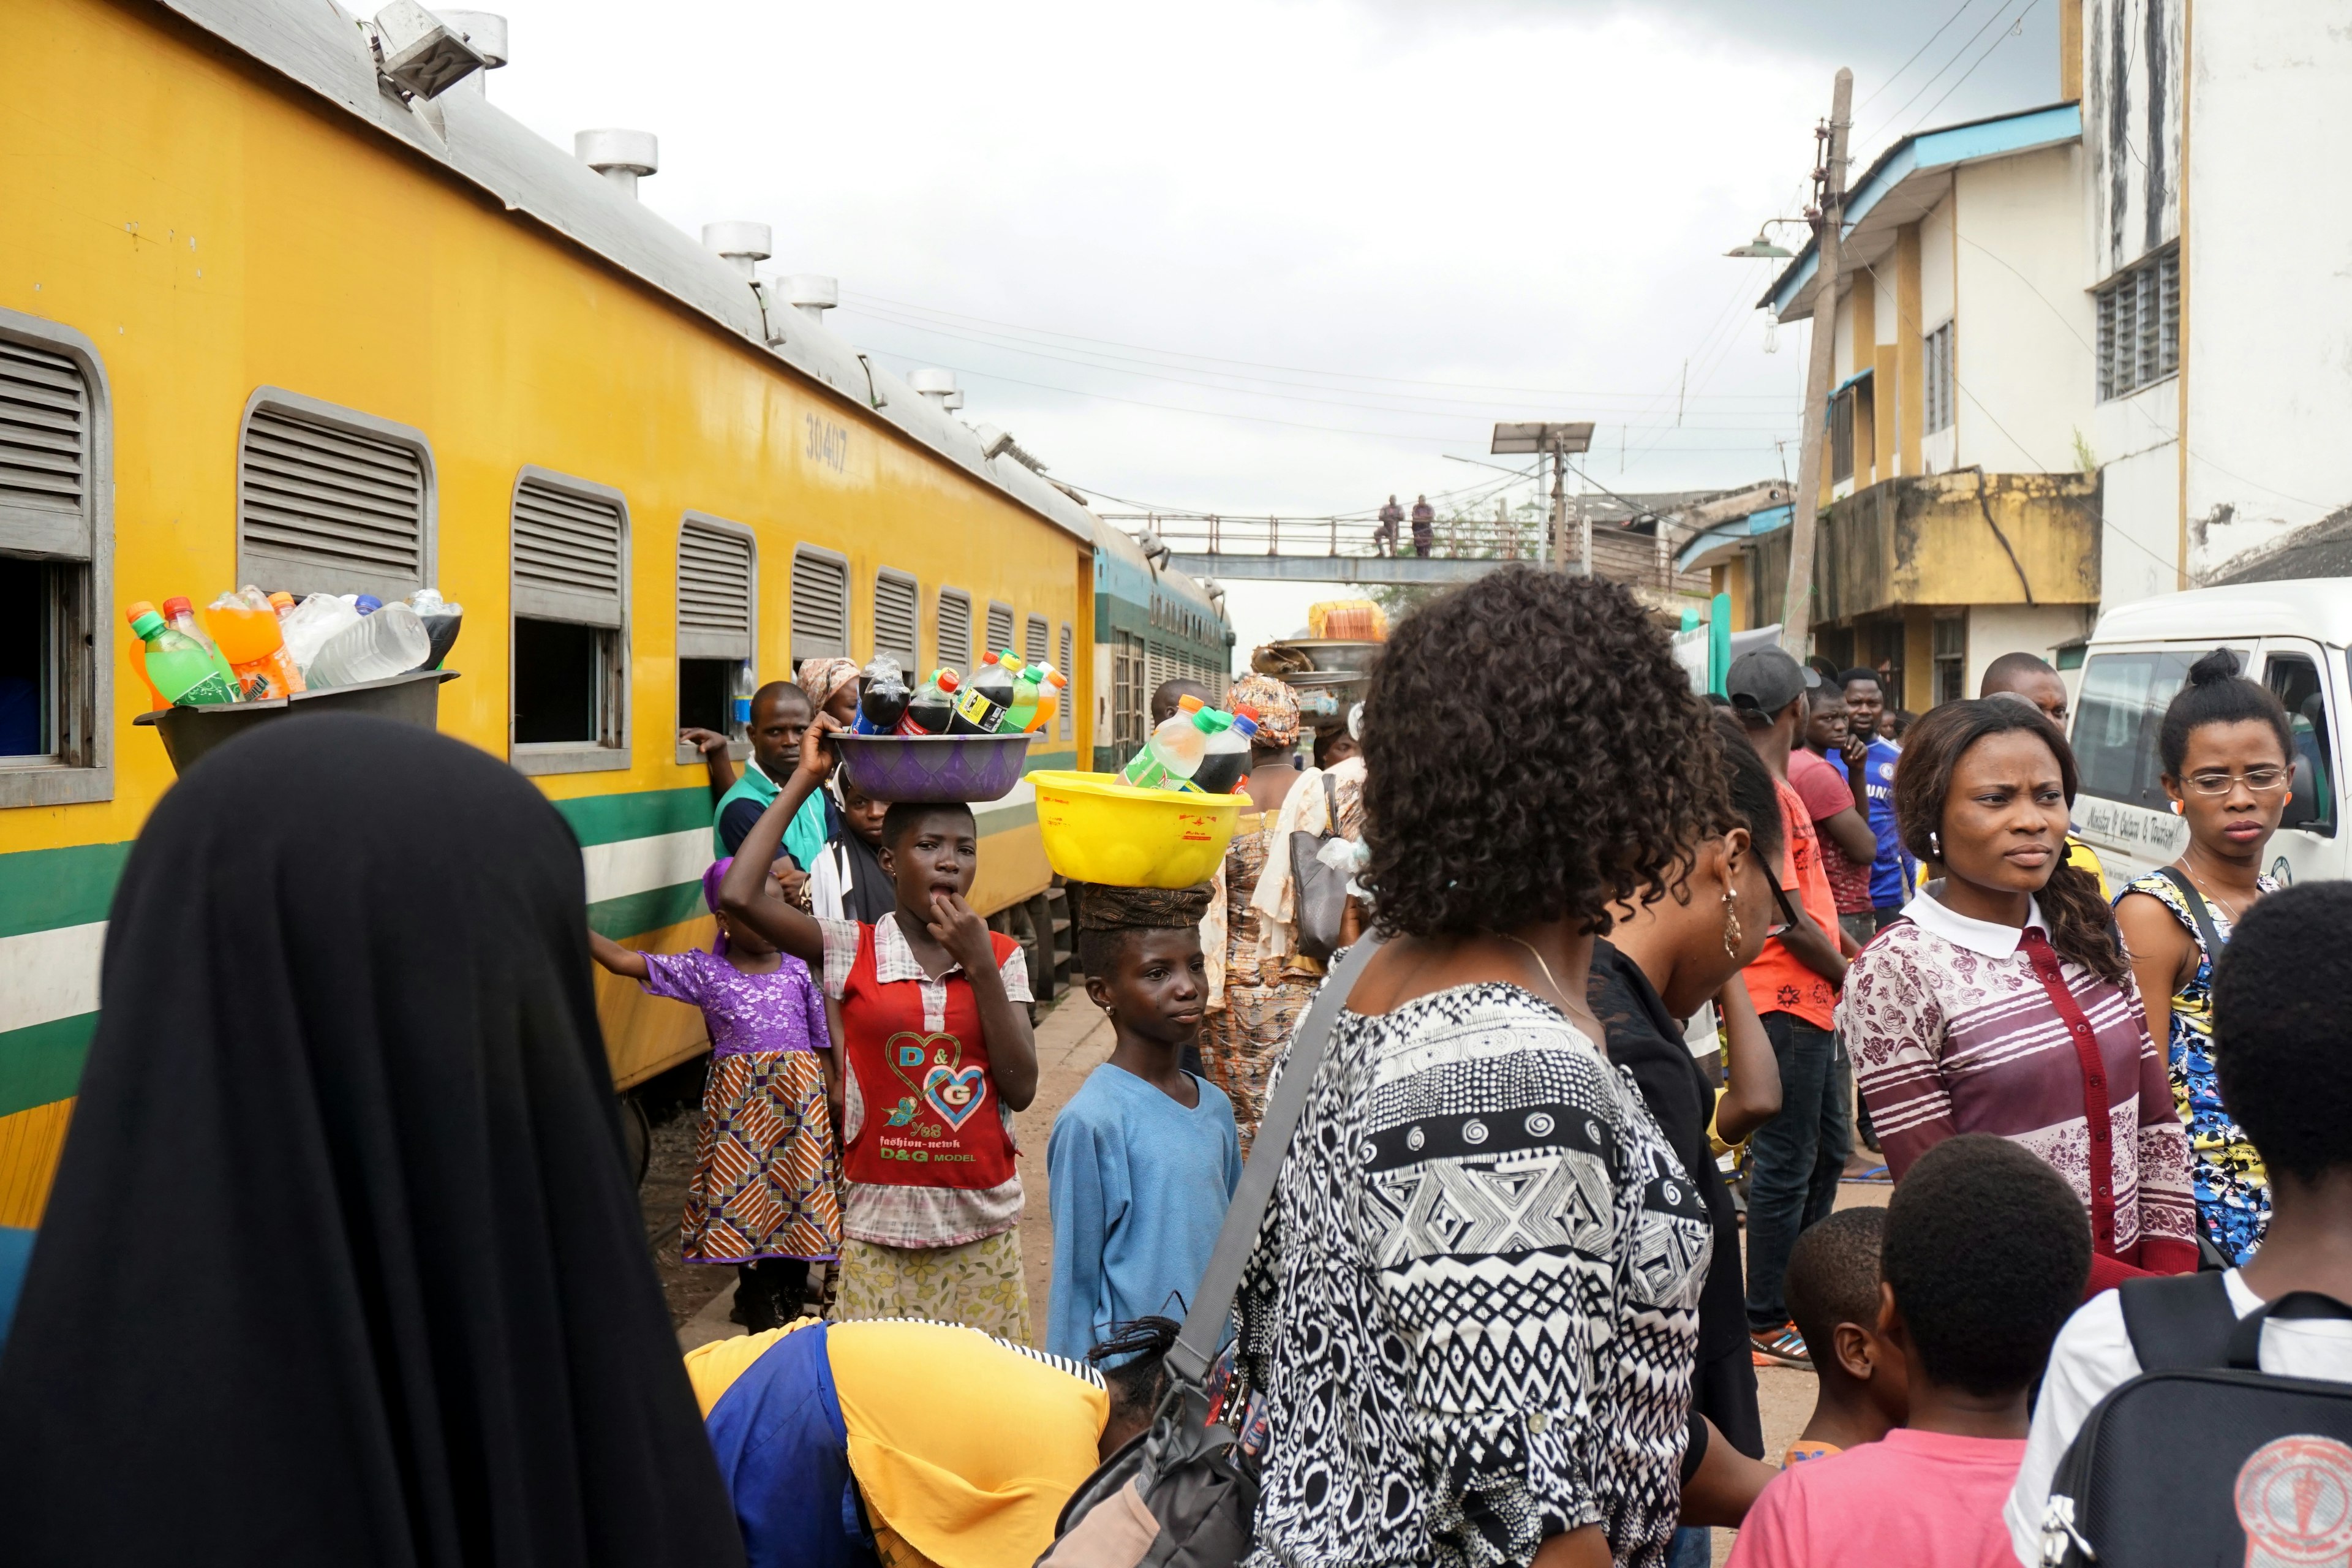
1539	963
2233	913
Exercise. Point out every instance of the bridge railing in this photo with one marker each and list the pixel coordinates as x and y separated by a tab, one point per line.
1458	539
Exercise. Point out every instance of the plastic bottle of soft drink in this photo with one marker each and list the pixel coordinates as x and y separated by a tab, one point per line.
986	696
180	615
882	701
1227	759
1021	713
931	710
246	628
739	702
130	614
442	619
387	642
1049	697
182	669
1171	752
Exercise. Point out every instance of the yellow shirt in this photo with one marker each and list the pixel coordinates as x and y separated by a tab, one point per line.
962	1443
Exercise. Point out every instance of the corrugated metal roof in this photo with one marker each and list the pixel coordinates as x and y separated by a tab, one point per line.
318	45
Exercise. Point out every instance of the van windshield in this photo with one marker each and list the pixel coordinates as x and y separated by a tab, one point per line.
2117	718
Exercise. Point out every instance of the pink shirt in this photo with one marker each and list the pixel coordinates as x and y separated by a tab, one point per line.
1926	1500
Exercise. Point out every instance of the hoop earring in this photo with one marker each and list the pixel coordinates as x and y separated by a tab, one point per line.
1935	845
1730	927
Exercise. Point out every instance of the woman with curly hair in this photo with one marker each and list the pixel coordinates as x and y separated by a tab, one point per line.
2001	1001
1259	984
1472	1310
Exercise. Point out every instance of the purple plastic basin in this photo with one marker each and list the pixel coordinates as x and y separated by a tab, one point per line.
934	767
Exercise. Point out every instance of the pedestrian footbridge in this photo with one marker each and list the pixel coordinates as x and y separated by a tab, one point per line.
1328	549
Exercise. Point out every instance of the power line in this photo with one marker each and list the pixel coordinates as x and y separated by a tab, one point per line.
1997	43
1906	65
1999	12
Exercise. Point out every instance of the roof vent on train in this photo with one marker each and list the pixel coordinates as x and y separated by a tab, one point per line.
623	157
487	32
812	294
740	243
938	386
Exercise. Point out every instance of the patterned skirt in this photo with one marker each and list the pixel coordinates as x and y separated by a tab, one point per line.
979	1284
766	1172
1240	1041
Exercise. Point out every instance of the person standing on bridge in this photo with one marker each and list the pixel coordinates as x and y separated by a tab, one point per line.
1384	538
1425	526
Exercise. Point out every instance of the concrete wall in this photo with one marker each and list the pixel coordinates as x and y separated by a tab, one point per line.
2025	325
2037	630
2141	490
2132	53
1960	539
1937	299
2268	288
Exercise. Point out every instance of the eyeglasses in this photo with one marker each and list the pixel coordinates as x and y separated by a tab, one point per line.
2261	781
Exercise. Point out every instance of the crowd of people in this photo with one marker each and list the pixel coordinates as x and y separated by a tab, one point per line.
342	1262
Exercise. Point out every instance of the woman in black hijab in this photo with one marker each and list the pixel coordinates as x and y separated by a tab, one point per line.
342	1265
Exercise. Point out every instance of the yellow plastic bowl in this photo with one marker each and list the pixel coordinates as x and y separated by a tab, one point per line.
1097	829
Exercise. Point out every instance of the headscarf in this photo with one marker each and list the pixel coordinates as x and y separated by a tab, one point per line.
711	878
344	1264
1104	907
821	678
1274	702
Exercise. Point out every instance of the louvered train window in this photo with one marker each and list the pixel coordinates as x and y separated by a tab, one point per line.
955	629
332	501
820	605
894	619
1035	637
1000	626
571	602
717	582
56	547
1069	673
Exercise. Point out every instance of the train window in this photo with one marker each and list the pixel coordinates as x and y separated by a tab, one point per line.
331	500
57	550
570	597
954	633
1035	638
1000	626
820	608
895	597
1068	665
717	595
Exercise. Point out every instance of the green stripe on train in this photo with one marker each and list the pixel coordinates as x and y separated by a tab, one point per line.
41	889
43	1063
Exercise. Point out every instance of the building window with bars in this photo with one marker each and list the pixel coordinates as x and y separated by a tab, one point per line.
331	500
571	602
894	618
1000	626
1128	695
954	630
1951	658
1842	410
56	552
819	609
1937	414
717	611
2139	325
1069	673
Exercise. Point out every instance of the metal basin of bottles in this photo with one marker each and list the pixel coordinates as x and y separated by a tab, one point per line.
934	768
192	733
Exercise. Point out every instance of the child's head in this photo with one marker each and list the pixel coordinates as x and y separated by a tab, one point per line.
1986	1252
1833	1290
2281	992
929	849
862	814
736	935
1132	1362
1140	948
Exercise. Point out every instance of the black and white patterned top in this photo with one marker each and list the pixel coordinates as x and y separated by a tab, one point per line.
1474	1305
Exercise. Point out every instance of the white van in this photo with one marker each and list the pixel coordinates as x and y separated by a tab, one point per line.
2292	637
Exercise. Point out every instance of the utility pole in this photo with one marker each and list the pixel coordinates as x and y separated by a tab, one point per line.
1829	231
1556	440
1559	503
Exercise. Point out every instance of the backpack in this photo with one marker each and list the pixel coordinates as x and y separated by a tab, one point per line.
2204	1458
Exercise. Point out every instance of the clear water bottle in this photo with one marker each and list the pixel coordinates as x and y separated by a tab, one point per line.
442	619
738	703
1173	753
310	624
392	641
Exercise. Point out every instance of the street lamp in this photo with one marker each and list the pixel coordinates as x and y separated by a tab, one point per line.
1761	247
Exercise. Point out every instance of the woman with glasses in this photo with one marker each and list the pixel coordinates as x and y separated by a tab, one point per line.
2001	1001
2228	758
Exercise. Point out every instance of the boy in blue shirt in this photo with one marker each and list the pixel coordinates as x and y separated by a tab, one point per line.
1145	1157
1890	873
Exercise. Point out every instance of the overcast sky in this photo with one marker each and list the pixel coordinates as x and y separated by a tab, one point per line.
1257	255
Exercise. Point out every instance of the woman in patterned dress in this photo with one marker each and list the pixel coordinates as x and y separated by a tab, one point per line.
1259	984
765	1164
2229	761
1470	1318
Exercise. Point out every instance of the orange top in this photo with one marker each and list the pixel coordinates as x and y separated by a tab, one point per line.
1776	983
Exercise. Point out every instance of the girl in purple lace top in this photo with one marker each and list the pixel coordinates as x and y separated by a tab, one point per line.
763	1197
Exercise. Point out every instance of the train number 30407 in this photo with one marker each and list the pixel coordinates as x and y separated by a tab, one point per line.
827	443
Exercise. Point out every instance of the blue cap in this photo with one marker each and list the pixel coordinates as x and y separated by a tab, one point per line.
367	604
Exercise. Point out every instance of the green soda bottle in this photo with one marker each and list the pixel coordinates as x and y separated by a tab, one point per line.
1028	682
182	669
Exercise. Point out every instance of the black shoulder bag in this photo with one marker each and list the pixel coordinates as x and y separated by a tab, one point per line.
1177	1497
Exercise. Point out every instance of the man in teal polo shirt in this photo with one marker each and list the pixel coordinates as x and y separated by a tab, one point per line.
780	712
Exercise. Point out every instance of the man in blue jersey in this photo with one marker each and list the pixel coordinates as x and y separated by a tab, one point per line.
1867	765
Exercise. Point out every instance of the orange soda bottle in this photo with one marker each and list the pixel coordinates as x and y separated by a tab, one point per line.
243	622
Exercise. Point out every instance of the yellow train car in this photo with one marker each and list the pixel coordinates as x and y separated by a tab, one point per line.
266	315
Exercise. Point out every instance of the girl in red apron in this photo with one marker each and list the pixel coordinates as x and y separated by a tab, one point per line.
931	1009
